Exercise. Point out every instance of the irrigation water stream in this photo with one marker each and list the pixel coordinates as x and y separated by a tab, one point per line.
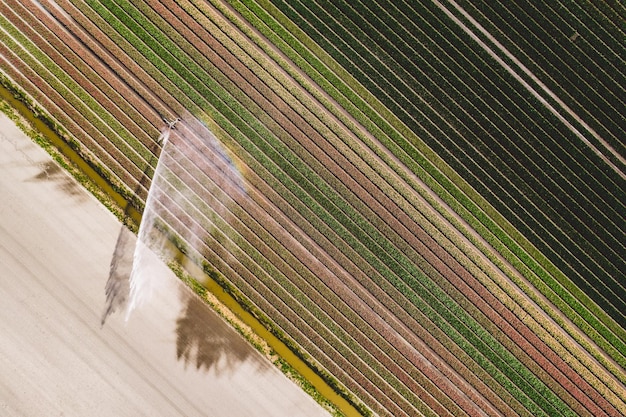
145	253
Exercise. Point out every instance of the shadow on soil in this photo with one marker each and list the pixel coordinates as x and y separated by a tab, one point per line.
206	341
51	171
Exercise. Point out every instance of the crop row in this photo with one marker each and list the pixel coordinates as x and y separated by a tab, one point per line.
522	257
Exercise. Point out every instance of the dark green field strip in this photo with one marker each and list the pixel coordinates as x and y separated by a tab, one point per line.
399	43
612	10
596	66
83	74
51	91
591	132
605	40
605	117
592	113
374	116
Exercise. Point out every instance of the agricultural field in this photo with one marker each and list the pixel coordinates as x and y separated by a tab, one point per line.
424	200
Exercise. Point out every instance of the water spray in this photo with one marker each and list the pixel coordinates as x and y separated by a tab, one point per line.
144	258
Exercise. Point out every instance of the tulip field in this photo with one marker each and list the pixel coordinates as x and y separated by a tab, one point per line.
425	200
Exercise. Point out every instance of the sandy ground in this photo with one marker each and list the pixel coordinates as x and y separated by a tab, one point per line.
173	356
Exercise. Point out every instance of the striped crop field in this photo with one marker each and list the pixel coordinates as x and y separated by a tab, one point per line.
424	199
